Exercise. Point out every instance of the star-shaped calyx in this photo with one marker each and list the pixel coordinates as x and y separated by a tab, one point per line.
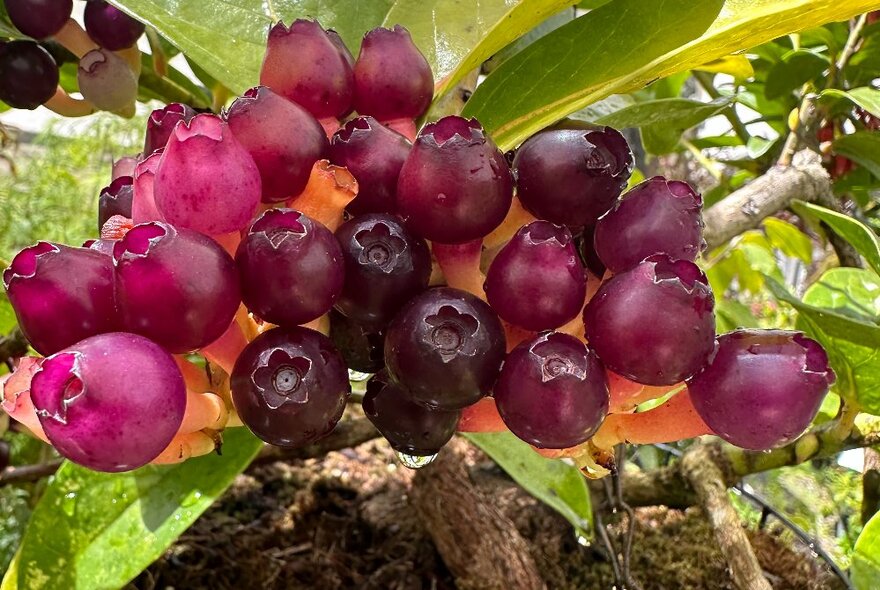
452	332
280	379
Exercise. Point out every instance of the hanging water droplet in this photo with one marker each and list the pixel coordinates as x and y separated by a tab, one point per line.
415	461
581	539
191	498
68	503
357	376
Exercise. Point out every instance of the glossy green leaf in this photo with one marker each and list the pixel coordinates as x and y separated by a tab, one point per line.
865	571
792	72
862	147
730	315
556	483
631	43
99	530
787	238
7	315
737	66
862	238
865	97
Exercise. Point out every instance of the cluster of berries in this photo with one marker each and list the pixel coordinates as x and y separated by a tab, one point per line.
107	74
288	260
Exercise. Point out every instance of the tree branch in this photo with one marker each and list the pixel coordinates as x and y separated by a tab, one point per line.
28	473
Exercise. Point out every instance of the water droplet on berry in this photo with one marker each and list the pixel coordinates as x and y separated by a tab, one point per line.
415	461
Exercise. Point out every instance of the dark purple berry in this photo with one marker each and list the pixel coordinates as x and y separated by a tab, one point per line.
552	391
454	186
290	267
653	324
761	388
106	80
407	426
374	154
61	294
303	64
658	216
360	346
290	386
392	79
109	27
284	140
385	266
536	281
28	75
572	176
161	124
39	18
445	347
115	200
175	286
112	402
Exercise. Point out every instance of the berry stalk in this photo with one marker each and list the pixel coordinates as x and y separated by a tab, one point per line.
329	190
460	264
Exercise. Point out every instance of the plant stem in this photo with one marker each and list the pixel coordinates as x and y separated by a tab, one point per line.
706	81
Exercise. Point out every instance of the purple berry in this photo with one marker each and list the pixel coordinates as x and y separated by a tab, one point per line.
106	80
206	180
455	185
290	386
407	426
284	139
61	294
303	64
374	154
103	246
109	27
290	267
658	216
39	18
360	346
143	203
761	388
112	402
572	176
341	46
115	200
392	79
385	266
161	124
552	391
28	75
536	281
445	347
174	286
653	324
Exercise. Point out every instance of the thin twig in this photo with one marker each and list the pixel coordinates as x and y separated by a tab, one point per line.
706	80
28	473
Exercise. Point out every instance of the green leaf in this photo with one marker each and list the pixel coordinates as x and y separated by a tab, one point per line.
556	483
99	530
862	147
228	39
730	315
737	66
787	238
623	46
7	315
840	312
853	231
792	72
866	97
865	570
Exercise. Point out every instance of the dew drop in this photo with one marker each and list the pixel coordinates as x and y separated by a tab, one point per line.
357	376
191	498
415	461
68	503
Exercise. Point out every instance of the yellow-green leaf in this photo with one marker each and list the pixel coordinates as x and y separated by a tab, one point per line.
737	66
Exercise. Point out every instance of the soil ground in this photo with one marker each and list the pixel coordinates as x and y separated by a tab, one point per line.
343	521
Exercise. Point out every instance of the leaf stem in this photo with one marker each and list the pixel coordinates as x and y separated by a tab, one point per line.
706	81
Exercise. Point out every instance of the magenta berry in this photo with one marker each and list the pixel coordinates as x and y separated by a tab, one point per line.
109	27
115	199
206	180
106	81
39	18
385	266
374	154
552	391
28	75
284	140
303	64
392	79
143	203
111	402
291	268
290	386
103	246
653	323
407	426
445	347
174	286
61	294
454	186
572	176
658	216
537	281
341	46
761	389
161	124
